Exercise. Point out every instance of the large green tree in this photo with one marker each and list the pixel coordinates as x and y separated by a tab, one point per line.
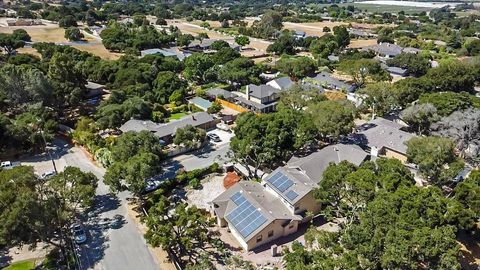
333	118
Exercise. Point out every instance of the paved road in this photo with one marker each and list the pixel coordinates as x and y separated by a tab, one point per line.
114	243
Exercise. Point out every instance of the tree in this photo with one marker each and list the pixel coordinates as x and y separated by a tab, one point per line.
180	228
67	21
225	55
21	85
184	40
430	154
285	44
452	76
219	44
9	43
415	64
298	98
420	117
326	29
410	89
34	210
165	84
270	22
67	81
21	34
242	40
447	102
364	70
202	36
297	67
215	108
196	67
189	136
73	34
463	127
380	97
468	193
333	118
239	71
342	37
473	47
323	46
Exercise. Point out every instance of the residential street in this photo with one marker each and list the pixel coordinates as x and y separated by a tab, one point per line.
114	242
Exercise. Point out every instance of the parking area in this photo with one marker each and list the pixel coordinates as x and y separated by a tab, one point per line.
224	136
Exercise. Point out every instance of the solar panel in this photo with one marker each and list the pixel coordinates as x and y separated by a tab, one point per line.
237	198
280	181
245	217
291	195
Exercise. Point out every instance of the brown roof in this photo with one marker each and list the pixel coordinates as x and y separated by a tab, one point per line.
230	179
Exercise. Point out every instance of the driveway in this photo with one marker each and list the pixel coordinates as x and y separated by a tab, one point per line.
114	241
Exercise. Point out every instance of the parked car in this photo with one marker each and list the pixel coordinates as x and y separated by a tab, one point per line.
7	165
152	184
214	137
48	174
79	235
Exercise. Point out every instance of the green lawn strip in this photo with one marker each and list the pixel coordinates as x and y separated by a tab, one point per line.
22	265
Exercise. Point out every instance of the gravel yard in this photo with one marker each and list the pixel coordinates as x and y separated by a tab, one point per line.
212	186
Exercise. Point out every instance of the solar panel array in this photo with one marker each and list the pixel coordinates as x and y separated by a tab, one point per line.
291	195
245	217
280	181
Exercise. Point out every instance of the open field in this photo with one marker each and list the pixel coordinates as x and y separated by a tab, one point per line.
358	43
384	8
313	28
55	34
193	28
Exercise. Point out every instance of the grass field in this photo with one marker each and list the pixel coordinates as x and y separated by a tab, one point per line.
23	265
358	43
176	116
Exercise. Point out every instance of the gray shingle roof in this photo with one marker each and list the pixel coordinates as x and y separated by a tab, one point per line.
268	204
216	92
167	129
382	133
262	91
284	83
325	78
306	172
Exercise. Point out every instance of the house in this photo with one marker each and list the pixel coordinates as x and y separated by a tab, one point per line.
166	131
326	80
253	215
395	71
299	34
94	90
205	45
259	98
180	55
382	137
295	182
283	83
358	33
389	50
200	103
96	30
215	93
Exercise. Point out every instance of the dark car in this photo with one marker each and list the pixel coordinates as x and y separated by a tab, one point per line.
214	137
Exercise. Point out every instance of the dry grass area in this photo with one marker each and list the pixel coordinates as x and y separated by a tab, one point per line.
313	28
194	29
99	50
359	43
55	34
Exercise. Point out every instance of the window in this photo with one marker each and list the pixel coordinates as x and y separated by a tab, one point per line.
270	233
259	238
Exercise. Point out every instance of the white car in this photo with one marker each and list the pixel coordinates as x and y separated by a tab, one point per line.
48	174
79	235
6	165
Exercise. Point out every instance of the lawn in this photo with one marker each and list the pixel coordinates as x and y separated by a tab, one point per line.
176	116
23	265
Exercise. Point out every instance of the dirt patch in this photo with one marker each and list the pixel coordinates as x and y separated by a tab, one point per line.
211	188
313	28
359	43
470	249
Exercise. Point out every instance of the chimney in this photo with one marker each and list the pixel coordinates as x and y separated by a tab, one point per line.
248	92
